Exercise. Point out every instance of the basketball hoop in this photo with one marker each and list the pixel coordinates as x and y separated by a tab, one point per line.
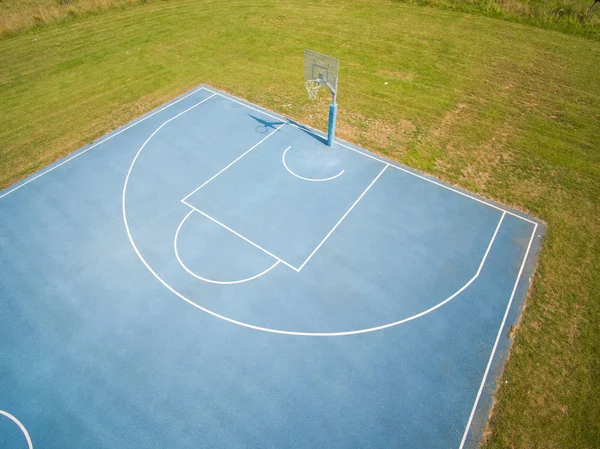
322	70
312	87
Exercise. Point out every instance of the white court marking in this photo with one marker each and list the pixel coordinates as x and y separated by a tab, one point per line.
228	165
344	216
20	425
212	281
495	347
297	269
224	226
302	177
265	329
281	331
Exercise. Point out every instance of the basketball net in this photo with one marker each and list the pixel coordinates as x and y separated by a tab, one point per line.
312	87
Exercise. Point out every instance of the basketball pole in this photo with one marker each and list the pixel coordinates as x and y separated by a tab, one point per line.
332	113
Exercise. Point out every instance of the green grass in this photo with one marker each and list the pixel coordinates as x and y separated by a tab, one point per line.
508	111
569	16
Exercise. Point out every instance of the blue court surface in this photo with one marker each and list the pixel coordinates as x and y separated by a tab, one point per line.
213	275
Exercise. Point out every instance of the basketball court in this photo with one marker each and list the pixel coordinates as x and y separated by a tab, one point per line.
216	275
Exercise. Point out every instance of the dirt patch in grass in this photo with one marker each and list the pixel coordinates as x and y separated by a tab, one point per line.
383	136
377	134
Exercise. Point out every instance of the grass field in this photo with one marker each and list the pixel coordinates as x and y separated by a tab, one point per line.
568	16
509	111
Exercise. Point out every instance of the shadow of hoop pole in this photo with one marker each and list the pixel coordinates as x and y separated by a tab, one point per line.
265	125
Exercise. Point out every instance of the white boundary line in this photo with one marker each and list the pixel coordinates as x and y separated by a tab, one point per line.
212	281
39	175
495	347
302	177
21	426
440	184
